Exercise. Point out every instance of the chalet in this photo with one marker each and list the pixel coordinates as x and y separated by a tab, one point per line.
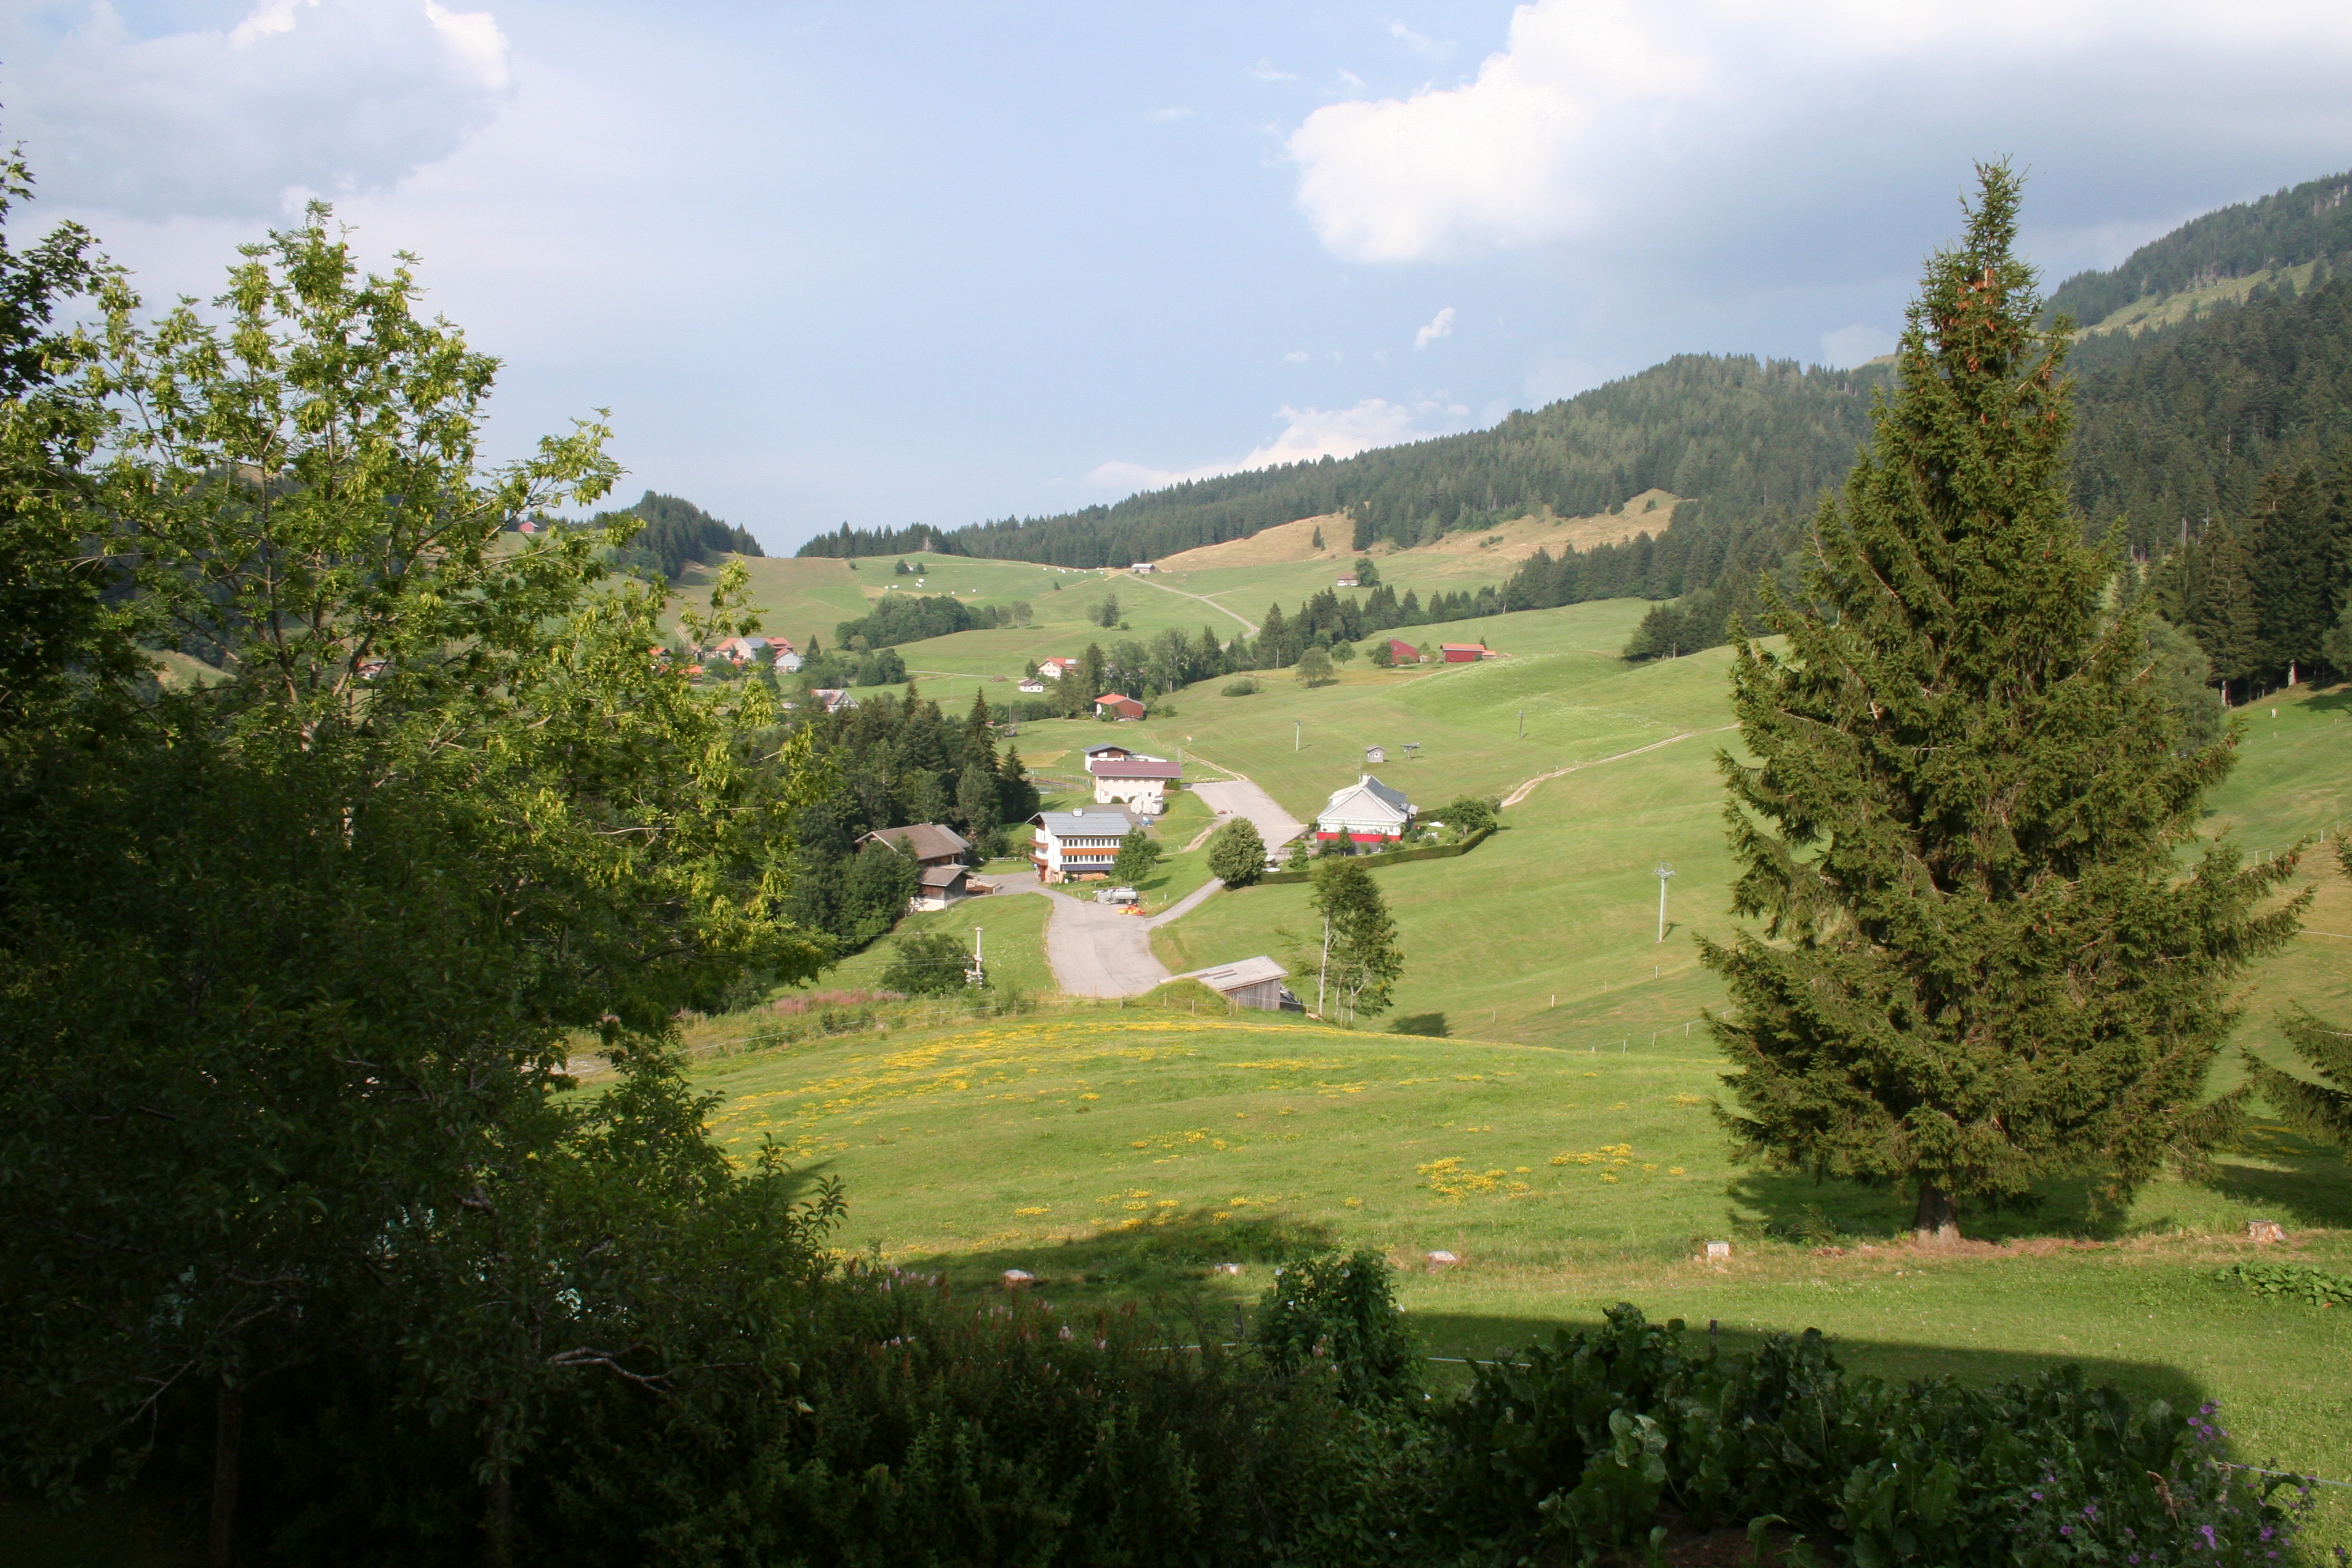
1251	983
1054	668
1109	751
833	700
1142	568
1072	844
788	661
1140	782
1465	652
926	843
1365	812
741	651
1111	704
1346	582
1033	685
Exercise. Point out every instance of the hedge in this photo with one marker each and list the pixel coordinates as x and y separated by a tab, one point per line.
1392	858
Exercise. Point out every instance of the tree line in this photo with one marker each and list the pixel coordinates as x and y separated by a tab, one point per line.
2309	222
673	534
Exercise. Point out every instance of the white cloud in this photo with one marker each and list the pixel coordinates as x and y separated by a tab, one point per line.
1848	346
1180	111
336	97
1440	326
1420	43
1296	356
1267	70
1308	434
1594	109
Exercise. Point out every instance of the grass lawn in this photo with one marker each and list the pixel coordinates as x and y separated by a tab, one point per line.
1126	1154
1013	943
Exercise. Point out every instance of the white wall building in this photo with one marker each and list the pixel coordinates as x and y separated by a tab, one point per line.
1077	843
1365	812
1142	783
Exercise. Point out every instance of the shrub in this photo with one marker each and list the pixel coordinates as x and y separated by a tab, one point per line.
1340	1311
2298	1280
1580	1447
1467	814
929	963
1244	687
1431	1024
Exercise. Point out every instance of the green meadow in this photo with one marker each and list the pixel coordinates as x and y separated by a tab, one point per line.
1562	1145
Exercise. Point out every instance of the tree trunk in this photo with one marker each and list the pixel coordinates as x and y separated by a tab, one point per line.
228	1438
1936	1221
499	1525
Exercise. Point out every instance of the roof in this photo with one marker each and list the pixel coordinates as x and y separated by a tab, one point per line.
1462	647
924	840
1400	642
1084	823
1368	786
1060	663
1109	746
1234	976
941	876
1114	697
1133	768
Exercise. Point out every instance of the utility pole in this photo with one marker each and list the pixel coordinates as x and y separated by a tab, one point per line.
1523	723
1323	970
1295	724
1664	872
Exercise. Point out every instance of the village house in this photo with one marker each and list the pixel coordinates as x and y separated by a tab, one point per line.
833	700
1116	706
925	843
1132	780
1346	582
1032	685
1402	652
1465	652
1365	812
1108	750
1142	567
1076	844
1054	668
939	886
1250	983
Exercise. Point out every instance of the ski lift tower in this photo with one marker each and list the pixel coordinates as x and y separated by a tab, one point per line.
1664	872
977	975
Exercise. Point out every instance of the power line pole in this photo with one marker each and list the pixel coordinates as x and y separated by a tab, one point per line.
1664	872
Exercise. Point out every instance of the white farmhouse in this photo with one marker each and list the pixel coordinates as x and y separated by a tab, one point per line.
1077	843
1140	782
1365	812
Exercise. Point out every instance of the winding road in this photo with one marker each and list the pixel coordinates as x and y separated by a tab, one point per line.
1247	625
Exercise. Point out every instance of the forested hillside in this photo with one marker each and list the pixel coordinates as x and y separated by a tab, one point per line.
2307	222
1741	432
676	533
2184	431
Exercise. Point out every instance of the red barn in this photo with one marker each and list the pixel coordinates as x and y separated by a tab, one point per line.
1118	707
1402	652
1464	652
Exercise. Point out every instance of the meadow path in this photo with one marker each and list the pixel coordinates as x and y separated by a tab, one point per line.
1249	626
1528	788
1095	950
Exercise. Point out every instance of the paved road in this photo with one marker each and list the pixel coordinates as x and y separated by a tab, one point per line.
1096	951
1239	798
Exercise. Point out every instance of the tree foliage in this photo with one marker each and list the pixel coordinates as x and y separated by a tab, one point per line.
1237	853
2323	1109
1359	962
1138	855
323	931
1982	967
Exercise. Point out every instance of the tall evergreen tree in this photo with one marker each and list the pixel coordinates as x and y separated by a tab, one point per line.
1979	967
2321	1109
2225	620
2292	576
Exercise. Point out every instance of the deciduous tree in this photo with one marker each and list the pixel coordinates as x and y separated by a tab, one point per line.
1237	853
1359	960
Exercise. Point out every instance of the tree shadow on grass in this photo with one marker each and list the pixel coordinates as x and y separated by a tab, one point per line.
1175	1251
2289	1179
1471	1336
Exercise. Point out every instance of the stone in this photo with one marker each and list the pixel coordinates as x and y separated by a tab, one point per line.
1229	1268
1442	1260
1015	1279
1716	1249
2264	1231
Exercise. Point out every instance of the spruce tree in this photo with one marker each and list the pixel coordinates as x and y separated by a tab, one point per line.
2323	1110
1979	967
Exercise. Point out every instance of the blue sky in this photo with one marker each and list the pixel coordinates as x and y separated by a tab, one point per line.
892	264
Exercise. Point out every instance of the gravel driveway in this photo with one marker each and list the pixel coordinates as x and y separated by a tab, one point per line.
1239	798
1095	950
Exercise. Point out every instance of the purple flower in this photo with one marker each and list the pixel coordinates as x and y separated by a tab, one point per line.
2065	1530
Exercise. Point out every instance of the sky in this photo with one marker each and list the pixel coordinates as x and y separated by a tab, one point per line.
904	263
